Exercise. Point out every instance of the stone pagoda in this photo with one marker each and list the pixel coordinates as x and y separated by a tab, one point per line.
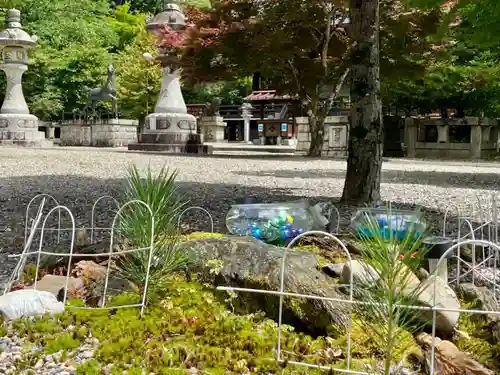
170	128
17	125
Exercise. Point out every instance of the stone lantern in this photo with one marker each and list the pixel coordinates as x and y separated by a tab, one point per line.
170	128
17	125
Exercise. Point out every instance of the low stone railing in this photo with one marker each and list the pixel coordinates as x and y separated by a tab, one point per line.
433	138
102	133
335	141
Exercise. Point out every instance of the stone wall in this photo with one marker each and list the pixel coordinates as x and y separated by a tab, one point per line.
335	139
436	138
103	133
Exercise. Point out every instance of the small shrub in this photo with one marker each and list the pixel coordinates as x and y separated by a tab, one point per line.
160	194
385	316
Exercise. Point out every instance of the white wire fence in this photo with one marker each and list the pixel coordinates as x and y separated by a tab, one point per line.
41	228
477	228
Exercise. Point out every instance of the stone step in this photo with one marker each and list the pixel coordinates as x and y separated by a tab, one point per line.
169	148
41	143
246	147
257	153
167	138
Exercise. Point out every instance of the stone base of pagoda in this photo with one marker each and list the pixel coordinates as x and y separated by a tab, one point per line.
21	130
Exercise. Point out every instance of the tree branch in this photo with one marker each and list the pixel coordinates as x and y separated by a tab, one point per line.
327	39
295	73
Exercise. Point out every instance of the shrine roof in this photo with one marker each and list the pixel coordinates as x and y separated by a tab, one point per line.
269	96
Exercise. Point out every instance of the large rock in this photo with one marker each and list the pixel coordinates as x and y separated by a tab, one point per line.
446	321
246	262
54	284
422	294
449	359
116	286
480	296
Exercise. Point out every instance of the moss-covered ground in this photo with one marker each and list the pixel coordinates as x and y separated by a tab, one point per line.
190	326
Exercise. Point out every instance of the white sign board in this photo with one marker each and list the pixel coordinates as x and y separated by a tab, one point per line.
337	137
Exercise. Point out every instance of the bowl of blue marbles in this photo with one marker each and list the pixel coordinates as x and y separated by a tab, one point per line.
274	223
388	224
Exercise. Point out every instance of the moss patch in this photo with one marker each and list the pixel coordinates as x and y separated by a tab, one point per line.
201	235
474	337
190	327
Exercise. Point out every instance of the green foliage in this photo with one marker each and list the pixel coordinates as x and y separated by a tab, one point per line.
231	92
366	345
72	53
135	222
138	79
154	6
479	22
64	341
462	74
160	193
126	24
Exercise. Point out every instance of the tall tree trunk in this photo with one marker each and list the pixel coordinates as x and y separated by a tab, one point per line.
364	164
317	131
256	80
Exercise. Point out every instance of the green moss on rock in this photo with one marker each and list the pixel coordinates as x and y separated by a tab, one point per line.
201	235
474	337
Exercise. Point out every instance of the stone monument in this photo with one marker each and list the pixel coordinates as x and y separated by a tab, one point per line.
212	123
170	128
17	125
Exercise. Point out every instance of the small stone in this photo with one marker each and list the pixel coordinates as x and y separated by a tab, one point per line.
38	364
362	274
333	269
87	354
422	274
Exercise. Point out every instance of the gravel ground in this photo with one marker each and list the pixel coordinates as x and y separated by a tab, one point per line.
76	177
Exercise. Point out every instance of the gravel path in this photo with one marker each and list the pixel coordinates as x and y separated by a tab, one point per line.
76	177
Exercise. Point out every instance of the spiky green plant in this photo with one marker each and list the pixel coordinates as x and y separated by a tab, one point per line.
159	192
386	314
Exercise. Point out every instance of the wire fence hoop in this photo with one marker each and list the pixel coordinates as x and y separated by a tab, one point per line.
92	220
150	248
179	221
26	222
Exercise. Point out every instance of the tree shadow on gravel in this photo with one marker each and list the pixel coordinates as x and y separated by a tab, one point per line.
435	178
79	194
